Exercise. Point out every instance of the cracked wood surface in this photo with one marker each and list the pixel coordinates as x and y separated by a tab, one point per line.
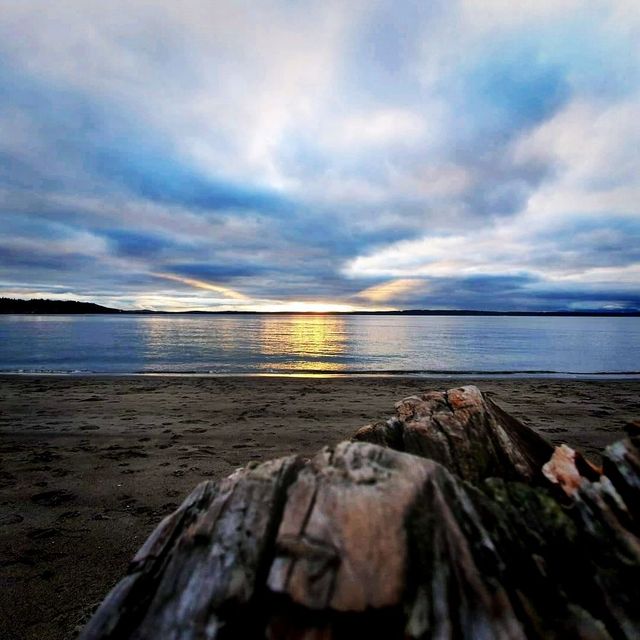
352	504
465	539
466	432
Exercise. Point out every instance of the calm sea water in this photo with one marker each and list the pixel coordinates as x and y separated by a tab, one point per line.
294	344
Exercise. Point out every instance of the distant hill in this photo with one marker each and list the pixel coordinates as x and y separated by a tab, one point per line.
9	305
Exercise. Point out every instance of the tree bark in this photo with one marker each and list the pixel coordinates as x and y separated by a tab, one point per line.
439	523
466	432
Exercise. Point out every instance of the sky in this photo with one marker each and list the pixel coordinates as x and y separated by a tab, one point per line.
302	155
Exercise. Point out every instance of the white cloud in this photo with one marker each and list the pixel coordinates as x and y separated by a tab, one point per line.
594	152
380	127
507	249
589	143
440	257
75	242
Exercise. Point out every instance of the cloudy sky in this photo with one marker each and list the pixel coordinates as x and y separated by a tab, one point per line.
312	155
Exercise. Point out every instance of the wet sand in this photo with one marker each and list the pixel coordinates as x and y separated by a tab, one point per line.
88	466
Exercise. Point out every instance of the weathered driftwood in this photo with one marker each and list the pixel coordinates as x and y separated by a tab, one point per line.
466	432
472	541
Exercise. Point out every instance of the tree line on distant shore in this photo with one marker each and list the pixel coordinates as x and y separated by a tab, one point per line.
10	305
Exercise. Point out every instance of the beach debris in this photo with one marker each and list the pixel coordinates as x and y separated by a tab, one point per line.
466	432
568	469
439	523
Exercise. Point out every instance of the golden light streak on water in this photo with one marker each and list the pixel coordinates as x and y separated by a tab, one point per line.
307	342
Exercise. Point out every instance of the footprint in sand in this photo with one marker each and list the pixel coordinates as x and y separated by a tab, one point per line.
69	515
100	516
42	534
123	454
53	498
44	456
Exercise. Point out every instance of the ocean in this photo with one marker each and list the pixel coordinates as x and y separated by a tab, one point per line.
320	345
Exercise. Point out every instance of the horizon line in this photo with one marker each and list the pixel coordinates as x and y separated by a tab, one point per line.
94	308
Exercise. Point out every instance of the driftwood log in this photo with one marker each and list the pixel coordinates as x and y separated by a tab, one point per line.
450	520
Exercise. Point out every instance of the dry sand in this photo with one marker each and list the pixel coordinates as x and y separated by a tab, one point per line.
89	466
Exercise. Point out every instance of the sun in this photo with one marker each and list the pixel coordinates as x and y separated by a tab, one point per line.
308	307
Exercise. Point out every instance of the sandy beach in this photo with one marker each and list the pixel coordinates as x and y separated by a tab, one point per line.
90	465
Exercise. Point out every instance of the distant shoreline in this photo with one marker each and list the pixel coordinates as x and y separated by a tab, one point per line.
10	306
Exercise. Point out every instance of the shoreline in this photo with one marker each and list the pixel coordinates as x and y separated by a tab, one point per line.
90	464
413	375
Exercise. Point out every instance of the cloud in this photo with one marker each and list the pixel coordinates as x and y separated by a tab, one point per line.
391	290
341	152
593	254
225	292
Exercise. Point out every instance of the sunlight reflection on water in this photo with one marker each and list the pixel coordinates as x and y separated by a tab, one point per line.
308	342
